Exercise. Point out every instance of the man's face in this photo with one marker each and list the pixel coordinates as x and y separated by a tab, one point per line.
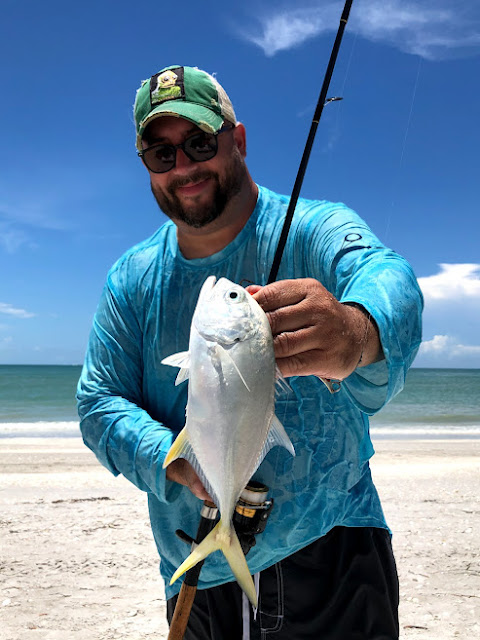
195	193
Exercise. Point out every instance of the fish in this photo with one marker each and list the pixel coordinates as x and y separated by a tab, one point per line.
230	414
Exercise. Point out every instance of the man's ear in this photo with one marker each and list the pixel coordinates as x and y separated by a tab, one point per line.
240	137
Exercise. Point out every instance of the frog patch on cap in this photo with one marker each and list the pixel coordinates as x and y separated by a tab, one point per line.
167	85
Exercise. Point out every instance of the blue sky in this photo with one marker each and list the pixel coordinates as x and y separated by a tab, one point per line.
401	148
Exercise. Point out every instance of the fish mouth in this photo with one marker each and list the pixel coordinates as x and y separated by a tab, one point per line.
206	289
225	338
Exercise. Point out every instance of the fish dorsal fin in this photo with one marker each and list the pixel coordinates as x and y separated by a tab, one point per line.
182	360
223	353
181	448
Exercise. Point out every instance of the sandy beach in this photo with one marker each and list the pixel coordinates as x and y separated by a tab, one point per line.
77	558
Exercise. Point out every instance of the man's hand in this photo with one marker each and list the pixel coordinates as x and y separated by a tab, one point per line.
314	334
182	472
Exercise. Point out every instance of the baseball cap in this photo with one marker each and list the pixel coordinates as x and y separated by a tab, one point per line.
185	92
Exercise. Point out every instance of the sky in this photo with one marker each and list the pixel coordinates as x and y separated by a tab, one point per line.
401	148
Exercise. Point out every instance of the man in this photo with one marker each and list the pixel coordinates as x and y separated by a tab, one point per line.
344	308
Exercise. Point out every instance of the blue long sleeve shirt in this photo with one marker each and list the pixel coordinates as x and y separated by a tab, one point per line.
131	411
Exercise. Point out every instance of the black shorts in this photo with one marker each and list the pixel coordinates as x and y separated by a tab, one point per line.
343	586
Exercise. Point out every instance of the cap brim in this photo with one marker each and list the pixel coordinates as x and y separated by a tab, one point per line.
204	118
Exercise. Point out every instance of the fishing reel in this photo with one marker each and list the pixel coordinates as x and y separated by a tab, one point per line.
251	514
249	518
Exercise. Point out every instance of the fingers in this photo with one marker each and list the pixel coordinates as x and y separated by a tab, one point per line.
253	288
302	364
197	488
182	472
281	294
313	334
296	341
299	311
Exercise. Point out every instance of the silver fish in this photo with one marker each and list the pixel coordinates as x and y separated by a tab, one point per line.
230	420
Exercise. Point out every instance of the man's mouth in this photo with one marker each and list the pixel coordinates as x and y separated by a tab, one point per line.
193	188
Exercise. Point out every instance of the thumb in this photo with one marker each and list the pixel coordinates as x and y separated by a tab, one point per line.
253	288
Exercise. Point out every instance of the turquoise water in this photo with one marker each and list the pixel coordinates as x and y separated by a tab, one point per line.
434	401
40	393
40	400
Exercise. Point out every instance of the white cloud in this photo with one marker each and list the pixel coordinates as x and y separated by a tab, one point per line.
451	316
438	344
448	348
454	283
447	345
9	310
432	30
290	28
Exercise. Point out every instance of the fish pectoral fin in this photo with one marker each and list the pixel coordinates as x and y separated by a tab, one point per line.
225	539
281	382
181	360
223	353
181	448
182	376
278	436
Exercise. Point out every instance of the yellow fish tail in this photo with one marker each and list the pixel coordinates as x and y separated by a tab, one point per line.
224	538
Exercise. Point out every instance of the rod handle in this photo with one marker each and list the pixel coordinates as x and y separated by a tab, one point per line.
182	612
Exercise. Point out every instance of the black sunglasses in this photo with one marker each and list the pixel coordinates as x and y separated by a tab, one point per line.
201	146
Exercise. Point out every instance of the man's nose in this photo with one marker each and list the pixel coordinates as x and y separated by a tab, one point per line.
182	160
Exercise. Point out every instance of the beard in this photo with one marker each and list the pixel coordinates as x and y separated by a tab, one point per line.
199	215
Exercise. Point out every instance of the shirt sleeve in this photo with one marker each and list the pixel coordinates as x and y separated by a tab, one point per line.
355	266
123	436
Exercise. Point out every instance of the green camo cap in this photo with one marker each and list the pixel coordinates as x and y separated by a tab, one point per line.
185	92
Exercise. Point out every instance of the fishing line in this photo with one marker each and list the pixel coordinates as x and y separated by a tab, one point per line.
322	100
396	183
336	130
339	111
349	63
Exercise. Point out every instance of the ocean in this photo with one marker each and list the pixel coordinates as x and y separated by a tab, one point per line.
39	401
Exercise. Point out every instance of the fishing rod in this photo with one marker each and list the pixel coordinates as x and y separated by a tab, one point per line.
250	515
183	606
322	101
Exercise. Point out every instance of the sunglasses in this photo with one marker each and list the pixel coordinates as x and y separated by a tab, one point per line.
201	146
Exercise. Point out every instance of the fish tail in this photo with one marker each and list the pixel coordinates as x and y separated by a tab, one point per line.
224	538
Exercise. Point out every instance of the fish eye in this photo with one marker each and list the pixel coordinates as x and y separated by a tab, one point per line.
233	295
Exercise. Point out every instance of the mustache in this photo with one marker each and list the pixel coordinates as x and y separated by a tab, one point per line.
185	180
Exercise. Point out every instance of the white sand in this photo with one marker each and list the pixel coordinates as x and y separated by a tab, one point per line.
78	561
